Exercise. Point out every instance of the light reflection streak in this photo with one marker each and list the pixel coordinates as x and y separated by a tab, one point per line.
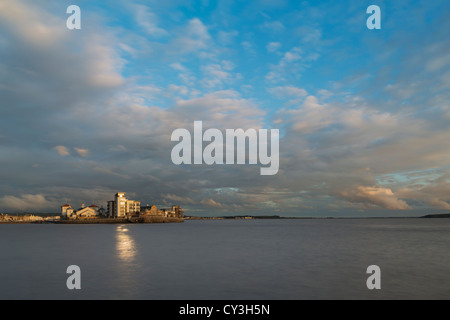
125	246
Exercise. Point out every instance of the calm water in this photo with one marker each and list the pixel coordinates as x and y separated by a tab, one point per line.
229	259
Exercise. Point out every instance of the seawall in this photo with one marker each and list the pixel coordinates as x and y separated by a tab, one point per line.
121	221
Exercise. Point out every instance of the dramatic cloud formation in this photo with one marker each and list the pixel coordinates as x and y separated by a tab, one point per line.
363	114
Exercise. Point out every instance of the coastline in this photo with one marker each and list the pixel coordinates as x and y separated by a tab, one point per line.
155	219
160	219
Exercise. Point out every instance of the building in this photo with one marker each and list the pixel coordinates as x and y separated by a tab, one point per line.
111	208
173	212
20	218
67	212
102	212
64	210
122	207
178	212
151	211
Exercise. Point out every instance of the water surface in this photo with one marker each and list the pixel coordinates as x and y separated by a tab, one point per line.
229	259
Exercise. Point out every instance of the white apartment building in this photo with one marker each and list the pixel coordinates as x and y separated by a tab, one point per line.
122	206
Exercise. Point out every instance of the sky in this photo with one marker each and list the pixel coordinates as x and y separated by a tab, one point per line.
363	114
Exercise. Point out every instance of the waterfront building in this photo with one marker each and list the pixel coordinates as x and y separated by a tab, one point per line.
102	212
64	209
67	212
20	218
151	211
111	208
122	207
173	212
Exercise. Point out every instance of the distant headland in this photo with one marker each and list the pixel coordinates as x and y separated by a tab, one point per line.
440	215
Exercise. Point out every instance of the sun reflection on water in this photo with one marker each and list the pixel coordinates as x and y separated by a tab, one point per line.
126	248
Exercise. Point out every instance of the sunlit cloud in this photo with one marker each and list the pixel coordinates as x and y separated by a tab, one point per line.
62	150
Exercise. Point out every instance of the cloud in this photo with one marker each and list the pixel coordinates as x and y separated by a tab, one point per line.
35	26
289	91
211	203
193	37
82	152
273	26
433	193
172	198
196	29
309	34
283	92
248	47
292	63
227	37
148	21
221	109
178	66
62	150
181	90
311	116
273	46
38	58
217	74
25	202
291	56
441	204
103	64
378	196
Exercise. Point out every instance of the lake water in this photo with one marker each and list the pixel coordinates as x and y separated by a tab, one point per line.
229	259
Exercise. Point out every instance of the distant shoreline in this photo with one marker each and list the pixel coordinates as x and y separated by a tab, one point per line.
137	220
441	215
158	219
